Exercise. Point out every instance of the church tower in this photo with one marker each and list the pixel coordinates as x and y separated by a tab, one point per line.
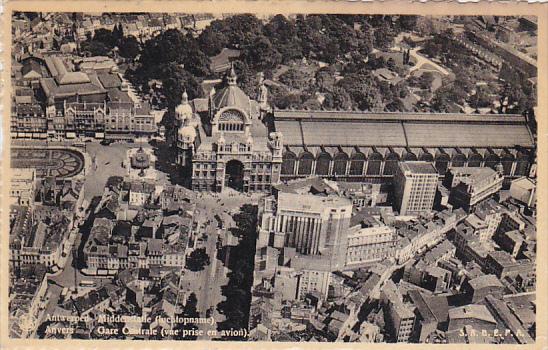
262	95
186	131
183	112
276	145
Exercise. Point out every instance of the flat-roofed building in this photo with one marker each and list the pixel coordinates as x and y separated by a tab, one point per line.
311	224
503	264
399	316
32	241
503	313
23	186
469	186
491	214
415	185
426	322
524	190
511	241
67	84
369	241
313	275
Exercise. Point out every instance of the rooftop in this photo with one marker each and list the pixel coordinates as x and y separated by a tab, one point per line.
422	306
142	187
310	203
109	80
402	129
395	299
485	281
64	75
525	182
221	61
232	96
477	311
309	262
53	89
469	175
23	174
116	95
418	167
311	185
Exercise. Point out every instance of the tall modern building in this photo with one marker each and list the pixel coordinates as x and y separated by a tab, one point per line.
313	225
415	185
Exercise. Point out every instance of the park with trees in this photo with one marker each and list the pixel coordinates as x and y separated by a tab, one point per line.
321	62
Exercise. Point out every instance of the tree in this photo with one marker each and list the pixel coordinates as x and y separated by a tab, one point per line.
363	90
55	44
197	62
376	62
30	15
516	94
390	63
425	80
295	78
189	311
106	37
283	34
281	29
129	47
164	48
175	79
211	41
197	260
94	48
396	105
173	46
325	79
407	22
234	31
312	104
261	54
480	98
384	35
446	97
247	78
338	99
238	290
291	100
118	32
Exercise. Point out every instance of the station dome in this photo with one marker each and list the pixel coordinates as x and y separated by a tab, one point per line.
187	132
231	95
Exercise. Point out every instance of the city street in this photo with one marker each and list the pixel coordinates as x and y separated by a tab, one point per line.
207	283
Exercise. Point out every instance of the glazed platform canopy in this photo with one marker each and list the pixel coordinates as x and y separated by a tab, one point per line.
354	129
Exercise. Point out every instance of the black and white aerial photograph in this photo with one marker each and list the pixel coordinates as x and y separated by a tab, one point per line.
274	178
